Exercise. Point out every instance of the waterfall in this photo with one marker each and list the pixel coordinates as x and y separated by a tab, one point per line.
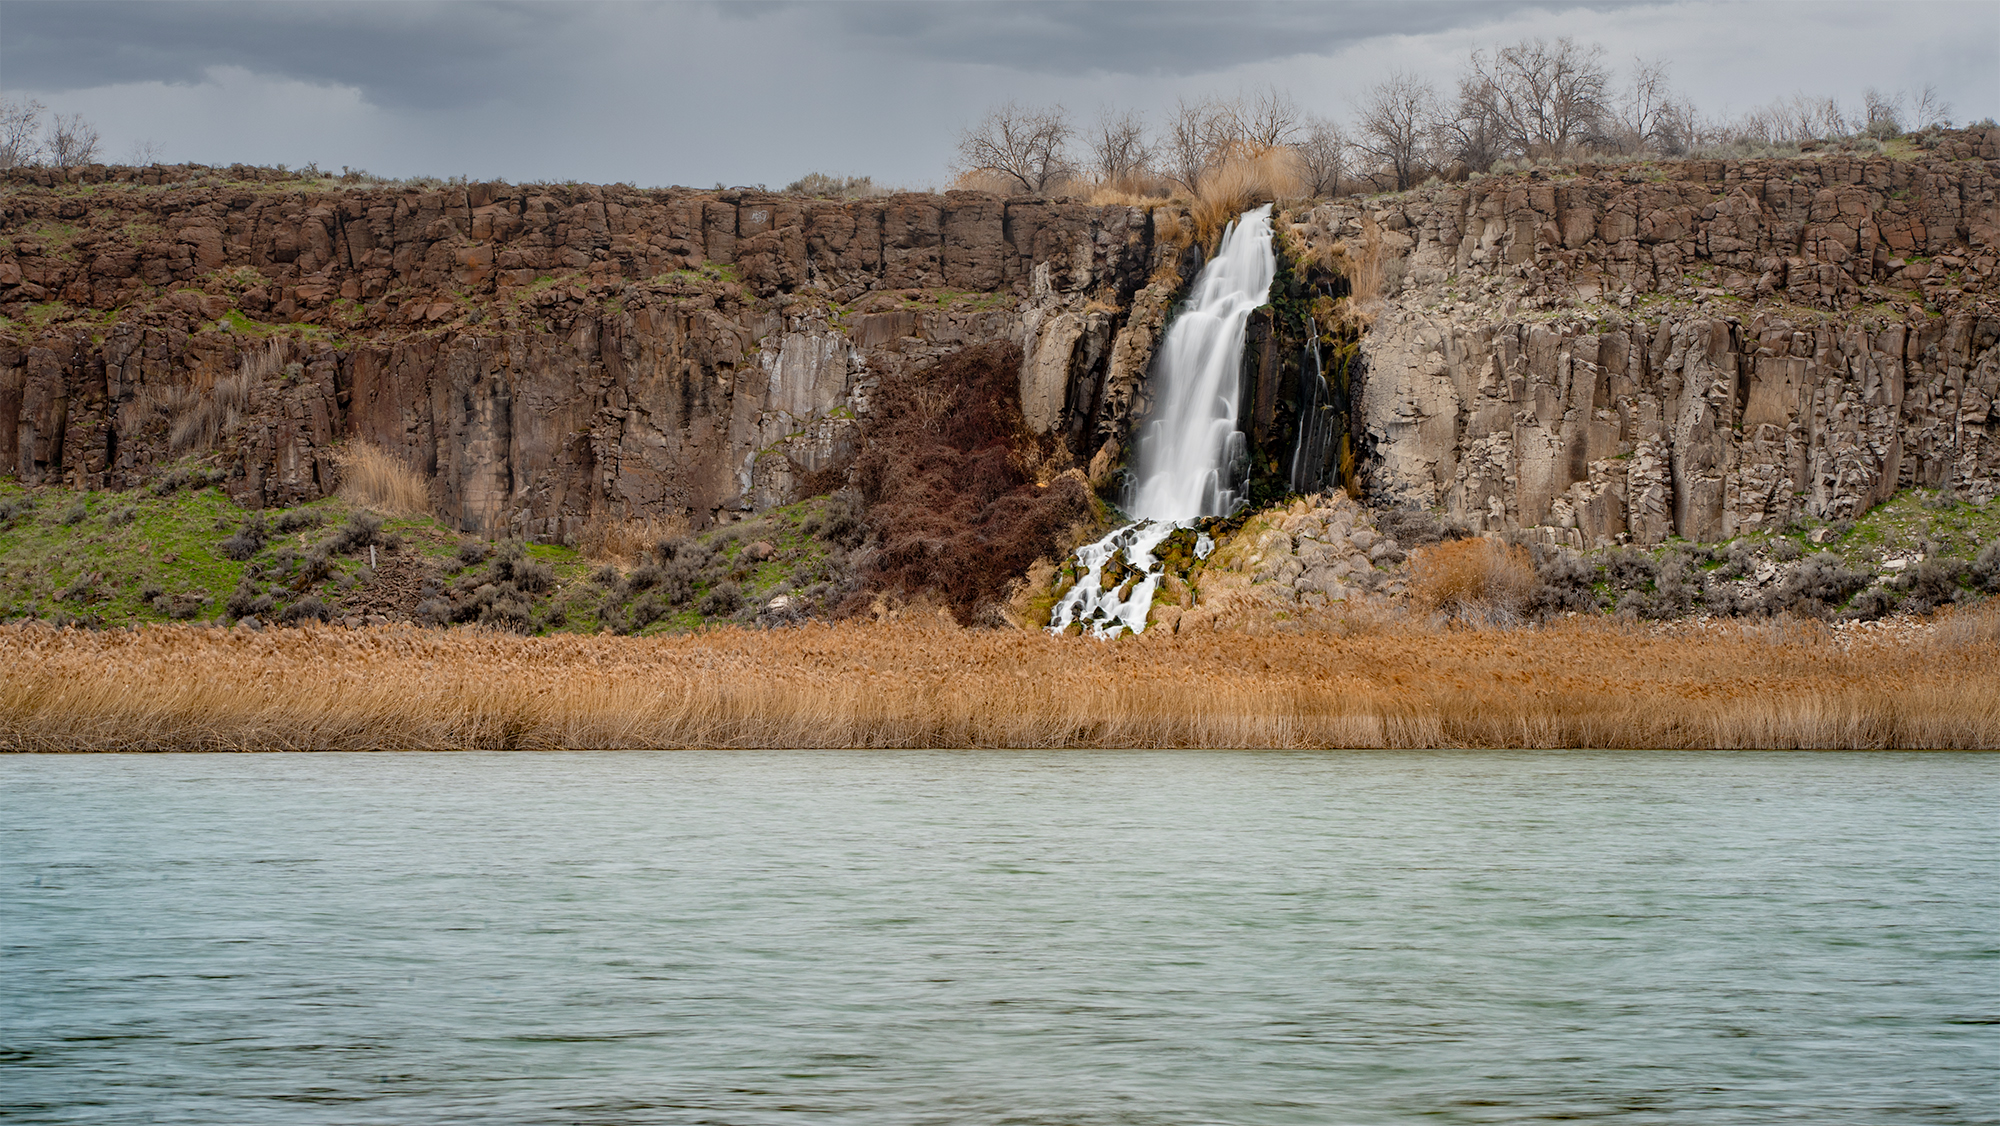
1191	459
1309	452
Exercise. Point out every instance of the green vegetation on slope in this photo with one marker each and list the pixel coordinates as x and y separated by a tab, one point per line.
184	551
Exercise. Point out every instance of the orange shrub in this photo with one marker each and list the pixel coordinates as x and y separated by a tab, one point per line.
1475	580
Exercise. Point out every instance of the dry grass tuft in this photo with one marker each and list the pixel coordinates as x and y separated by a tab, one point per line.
1362	267
198	418
609	540
927	683
984	180
1481	581
1963	627
1137	190
372	477
1171	228
1240	181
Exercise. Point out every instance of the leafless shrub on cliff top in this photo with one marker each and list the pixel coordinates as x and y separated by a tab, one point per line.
1202	136
1650	117
1187	143
72	141
373	477
20	129
1119	152
821	185
1541	98
1026	145
1322	158
1928	110
1396	121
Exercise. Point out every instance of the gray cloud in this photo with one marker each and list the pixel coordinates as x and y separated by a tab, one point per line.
435	55
1151	37
699	92
414	55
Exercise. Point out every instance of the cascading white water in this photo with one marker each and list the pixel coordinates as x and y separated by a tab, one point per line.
1188	450
1190	455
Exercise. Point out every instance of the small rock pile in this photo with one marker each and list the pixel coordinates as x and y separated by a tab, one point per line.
1318	550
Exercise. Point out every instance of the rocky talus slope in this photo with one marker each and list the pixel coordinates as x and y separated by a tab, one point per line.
1701	348
546	355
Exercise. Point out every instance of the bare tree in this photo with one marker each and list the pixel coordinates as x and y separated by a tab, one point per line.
1791	121
1267	119
1028	145
1187	147
72	141
1470	134
1118	148
1650	117
1397	116
20	129
1681	129
144	151
1885	112
1929	109
1544	98
1322	153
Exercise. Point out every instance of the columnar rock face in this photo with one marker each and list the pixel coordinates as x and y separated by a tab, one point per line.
1699	348
547	355
1693	348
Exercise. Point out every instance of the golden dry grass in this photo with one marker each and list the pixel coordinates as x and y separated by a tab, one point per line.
608	540
1475	579
1240	181
928	684
1137	190
375	478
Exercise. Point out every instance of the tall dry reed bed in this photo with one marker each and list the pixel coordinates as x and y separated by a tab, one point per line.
933	685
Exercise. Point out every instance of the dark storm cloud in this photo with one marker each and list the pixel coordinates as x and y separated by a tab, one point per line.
422	55
414	55
1150	38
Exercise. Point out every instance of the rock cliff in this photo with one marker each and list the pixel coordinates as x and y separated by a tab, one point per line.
546	355
1624	353
1608	353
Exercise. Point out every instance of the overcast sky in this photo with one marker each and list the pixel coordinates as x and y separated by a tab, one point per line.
747	93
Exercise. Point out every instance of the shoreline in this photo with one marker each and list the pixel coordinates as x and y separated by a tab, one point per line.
1330	683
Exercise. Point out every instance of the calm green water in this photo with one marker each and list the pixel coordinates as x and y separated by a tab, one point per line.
993	937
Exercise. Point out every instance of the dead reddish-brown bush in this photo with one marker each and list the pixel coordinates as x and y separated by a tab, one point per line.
955	514
1474	580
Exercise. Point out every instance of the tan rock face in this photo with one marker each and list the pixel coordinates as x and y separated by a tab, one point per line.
1610	357
546	356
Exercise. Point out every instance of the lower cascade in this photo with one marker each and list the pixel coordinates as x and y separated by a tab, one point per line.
1192	460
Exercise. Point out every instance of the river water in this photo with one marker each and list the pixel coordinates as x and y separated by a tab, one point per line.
1000	937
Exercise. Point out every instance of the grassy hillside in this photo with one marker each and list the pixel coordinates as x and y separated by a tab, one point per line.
183	551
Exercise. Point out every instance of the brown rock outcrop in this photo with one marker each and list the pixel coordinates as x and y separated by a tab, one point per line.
1700	348
547	355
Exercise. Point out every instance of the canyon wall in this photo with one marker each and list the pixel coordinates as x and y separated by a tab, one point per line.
547	355
1623	353
1609	353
